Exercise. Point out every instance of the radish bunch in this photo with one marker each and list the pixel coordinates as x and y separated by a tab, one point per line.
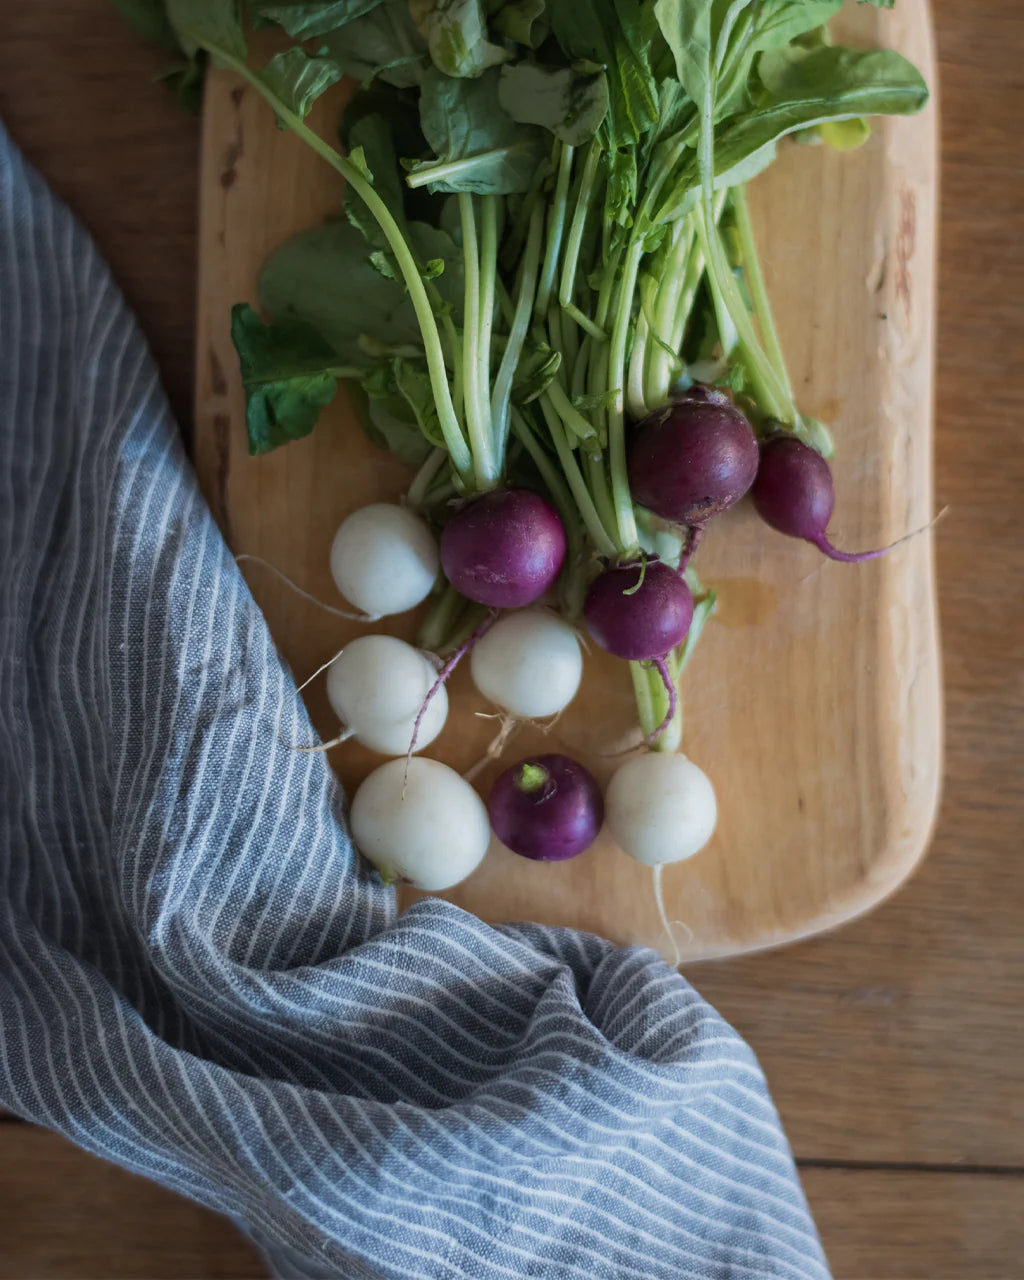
547	291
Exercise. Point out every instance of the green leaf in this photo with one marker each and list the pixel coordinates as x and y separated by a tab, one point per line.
384	43
480	148
571	104
617	35
537	368
215	24
781	21
456	34
413	383
372	141
522	21
288	372
390	423
687	28
302	19
298	80
804	88
324	277
185	81
149	19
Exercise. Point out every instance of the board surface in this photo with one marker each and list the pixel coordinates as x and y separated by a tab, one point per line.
813	701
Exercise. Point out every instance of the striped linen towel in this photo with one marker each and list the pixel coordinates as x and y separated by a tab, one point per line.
200	981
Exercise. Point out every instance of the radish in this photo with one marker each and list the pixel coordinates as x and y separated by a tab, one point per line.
794	494
504	549
660	808
547	808
638	611
529	663
693	459
384	559
419	821
377	686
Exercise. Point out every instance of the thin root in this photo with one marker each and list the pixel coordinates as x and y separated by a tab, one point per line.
442	678
509	725
306	595
673	700
668	925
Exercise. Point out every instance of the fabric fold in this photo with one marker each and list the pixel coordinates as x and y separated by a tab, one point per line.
200	979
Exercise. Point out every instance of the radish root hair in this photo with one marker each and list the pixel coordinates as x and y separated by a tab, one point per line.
306	595
857	557
668	925
321	746
509	725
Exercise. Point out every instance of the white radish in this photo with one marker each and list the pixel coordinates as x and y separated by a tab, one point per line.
377	686
529	663
384	559
420	821
660	808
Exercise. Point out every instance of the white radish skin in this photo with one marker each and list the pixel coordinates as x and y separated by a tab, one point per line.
429	827
376	689
660	808
384	559
529	663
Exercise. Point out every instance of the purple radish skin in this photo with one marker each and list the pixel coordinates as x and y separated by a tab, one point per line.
794	494
547	808
693	459
638	612
504	549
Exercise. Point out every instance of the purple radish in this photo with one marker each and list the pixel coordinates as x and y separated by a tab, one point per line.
693	459
547	808
504	549
794	494
639	612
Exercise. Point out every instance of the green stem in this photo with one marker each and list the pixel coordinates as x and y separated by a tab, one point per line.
501	395
455	441
556	228
585	503
635	398
425	477
652	703
670	293
602	494
479	428
625	518
769	392
573	421
488	273
574	242
756	285
440	618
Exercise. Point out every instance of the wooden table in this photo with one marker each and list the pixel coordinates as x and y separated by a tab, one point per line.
896	1047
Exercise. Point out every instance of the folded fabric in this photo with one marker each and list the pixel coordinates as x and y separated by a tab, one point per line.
199	978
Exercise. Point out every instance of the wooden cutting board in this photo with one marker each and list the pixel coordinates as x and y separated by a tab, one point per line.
814	700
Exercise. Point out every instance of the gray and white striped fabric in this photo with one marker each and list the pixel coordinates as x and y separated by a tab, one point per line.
198	978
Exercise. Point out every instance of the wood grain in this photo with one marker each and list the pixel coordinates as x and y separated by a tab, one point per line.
898	1038
69	1216
77	94
839	663
879	1224
65	1214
